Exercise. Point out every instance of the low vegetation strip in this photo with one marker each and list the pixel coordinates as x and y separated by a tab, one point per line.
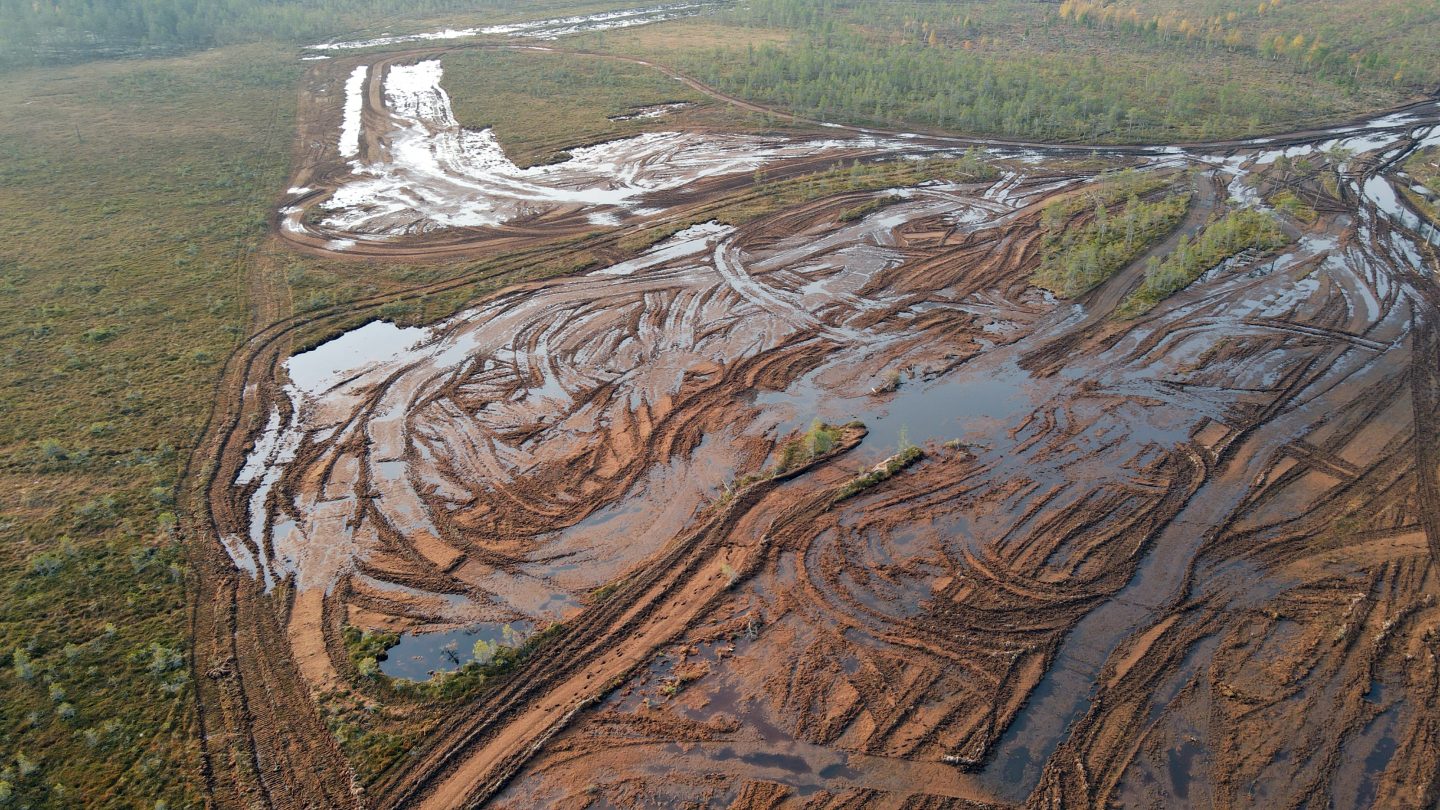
1079	258
880	472
1228	236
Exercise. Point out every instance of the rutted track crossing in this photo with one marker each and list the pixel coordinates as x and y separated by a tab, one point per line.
1087	535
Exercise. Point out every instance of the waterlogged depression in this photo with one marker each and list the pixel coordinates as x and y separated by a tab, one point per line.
1118	529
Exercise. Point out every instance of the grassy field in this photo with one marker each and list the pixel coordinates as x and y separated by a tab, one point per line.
541	103
132	193
135	197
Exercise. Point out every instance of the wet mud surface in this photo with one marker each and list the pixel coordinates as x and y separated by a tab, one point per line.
1179	560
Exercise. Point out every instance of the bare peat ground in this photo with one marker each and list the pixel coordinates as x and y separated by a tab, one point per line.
1180	559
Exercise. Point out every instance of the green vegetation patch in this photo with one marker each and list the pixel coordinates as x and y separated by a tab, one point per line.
883	472
817	441
1286	202
1020	68
367	649
1228	236
1077	259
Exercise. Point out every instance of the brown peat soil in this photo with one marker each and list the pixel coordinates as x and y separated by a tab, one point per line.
1183	558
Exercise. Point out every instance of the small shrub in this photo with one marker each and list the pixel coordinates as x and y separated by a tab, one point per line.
46	564
164	659
20	661
25	765
98	511
367	667
100	334
820	438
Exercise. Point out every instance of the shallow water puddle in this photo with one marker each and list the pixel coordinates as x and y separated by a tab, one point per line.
965	405
419	655
315	371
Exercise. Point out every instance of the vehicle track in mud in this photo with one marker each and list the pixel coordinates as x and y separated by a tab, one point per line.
1001	610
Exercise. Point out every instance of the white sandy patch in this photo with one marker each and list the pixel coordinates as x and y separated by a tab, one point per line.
534	29
692	241
439	175
354	106
651	112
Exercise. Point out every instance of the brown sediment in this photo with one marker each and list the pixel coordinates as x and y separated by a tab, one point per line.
1184	559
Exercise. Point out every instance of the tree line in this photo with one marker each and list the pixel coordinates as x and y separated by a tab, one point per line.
1088	70
1306	44
40	31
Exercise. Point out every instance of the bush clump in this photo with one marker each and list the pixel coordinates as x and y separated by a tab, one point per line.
366	650
817	441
